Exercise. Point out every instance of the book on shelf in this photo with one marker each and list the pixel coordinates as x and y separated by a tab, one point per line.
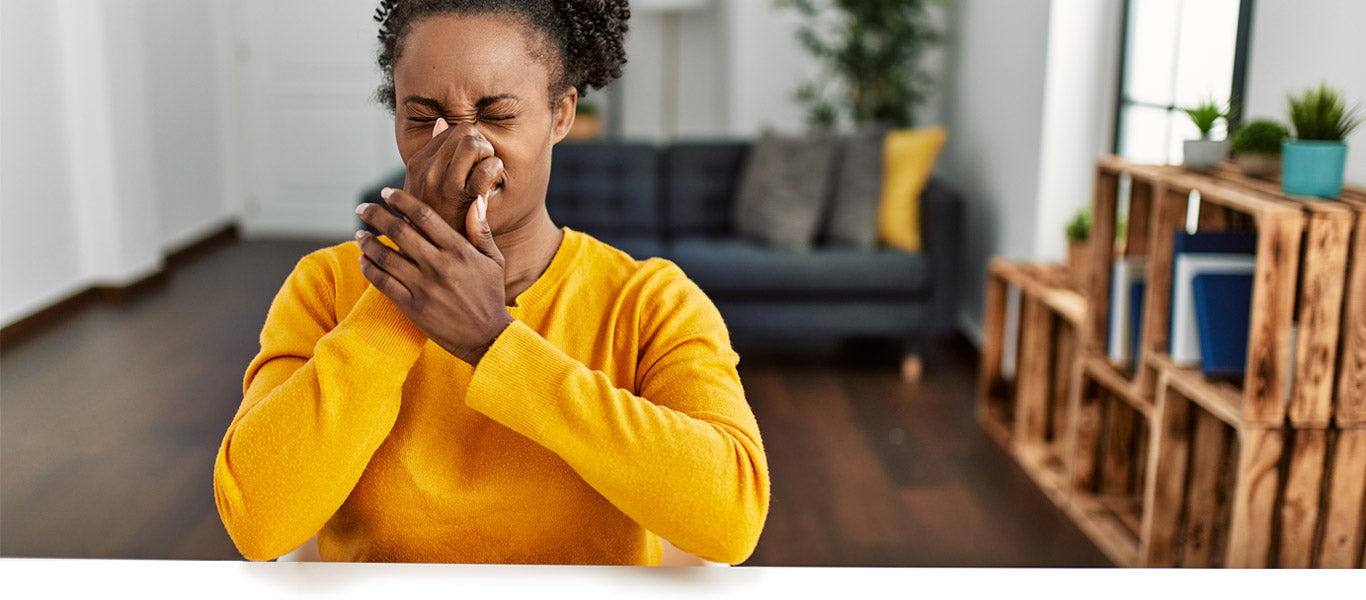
1201	253
1127	277
1223	310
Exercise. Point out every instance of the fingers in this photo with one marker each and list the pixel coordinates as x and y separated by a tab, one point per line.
479	232
387	269
486	174
422	230
470	148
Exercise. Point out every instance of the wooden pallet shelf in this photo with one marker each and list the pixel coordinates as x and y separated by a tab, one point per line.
1159	465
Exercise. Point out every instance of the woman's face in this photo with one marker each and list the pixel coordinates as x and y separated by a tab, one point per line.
480	71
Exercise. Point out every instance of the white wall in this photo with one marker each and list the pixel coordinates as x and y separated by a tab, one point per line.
1300	43
102	171
997	66
39	257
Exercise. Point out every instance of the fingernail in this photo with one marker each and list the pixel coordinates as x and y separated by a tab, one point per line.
360	208
360	234
441	125
481	204
386	192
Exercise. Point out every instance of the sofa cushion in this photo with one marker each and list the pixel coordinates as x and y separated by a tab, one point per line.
700	181
604	187
784	189
738	267
858	190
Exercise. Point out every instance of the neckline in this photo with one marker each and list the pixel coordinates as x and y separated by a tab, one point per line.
554	274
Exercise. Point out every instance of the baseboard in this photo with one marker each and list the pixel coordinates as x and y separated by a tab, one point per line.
26	328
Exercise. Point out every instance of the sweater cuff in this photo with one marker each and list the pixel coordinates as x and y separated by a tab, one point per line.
382	326
509	382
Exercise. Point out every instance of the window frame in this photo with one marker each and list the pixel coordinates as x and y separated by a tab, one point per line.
1238	81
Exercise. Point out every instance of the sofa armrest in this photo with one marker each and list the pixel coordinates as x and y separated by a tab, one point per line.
942	229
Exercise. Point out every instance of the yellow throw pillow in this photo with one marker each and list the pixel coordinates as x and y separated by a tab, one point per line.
908	156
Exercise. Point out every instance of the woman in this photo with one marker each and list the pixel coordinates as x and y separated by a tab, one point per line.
479	385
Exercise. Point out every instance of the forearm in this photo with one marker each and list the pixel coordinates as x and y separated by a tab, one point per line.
698	479
308	427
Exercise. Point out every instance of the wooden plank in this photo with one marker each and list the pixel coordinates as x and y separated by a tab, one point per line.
1273	307
1064	366
1169	217
1118	456
1140	210
1105	373
1328	233
1299	510
1032	372
1254	497
1084	434
990	379
1345	502
1202	506
1213	217
1165	478
1103	207
1219	398
1350	407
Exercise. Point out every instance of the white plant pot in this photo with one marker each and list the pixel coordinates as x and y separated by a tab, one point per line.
1203	155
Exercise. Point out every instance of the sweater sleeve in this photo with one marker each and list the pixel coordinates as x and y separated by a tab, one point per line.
318	400
683	458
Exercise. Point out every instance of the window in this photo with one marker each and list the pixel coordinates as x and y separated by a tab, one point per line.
1178	53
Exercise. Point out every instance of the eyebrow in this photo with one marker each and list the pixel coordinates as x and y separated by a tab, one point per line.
478	104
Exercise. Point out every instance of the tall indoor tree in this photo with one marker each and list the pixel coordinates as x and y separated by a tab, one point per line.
870	53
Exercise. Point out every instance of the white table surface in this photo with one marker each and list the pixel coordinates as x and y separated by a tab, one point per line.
88	578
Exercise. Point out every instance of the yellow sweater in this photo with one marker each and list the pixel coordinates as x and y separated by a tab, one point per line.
609	411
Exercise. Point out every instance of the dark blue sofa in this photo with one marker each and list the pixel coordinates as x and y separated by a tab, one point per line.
674	202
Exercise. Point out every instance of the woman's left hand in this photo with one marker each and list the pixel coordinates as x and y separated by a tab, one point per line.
449	285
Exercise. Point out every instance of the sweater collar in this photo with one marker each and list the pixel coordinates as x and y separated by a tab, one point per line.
550	281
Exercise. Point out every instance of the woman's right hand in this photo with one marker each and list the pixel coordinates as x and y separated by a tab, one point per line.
456	166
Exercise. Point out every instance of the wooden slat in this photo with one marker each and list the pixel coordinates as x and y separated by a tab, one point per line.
1169	216
1273	307
1084	434
1328	233
1103	207
1100	368
1140	210
1350	404
1064	364
1165	478
1202	494
1299	510
1254	497
1219	398
1118	457
990	379
1345	502
1032	372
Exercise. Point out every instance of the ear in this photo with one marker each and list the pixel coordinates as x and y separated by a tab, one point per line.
563	117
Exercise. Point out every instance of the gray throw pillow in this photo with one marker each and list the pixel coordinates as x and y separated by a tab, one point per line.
784	189
858	191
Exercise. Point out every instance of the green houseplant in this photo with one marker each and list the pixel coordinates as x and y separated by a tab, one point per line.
1204	154
869	52
1314	159
1078	233
1256	147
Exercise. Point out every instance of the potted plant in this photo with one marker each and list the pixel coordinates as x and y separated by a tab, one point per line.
870	55
1078	232
1256	148
1204	154
587	124
1313	161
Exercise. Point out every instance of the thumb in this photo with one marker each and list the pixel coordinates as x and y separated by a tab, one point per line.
478	230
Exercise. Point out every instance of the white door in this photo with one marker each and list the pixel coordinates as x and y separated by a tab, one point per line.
311	137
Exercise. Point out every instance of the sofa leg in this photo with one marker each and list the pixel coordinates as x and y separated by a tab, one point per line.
912	368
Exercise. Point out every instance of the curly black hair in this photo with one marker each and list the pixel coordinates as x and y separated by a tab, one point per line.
589	36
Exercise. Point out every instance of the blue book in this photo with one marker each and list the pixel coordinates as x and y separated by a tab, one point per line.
1223	310
1136	291
1225	252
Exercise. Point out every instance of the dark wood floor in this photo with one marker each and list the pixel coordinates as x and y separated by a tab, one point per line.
109	422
